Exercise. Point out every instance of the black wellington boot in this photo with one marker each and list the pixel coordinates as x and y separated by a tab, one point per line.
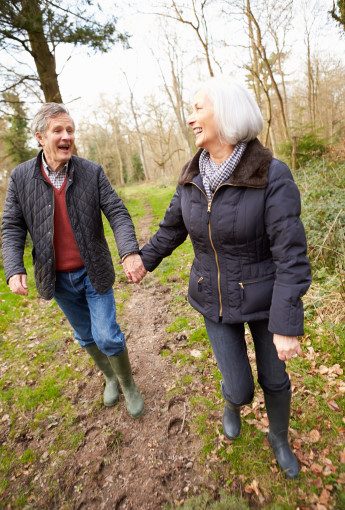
278	412
111	392
123	371
231	420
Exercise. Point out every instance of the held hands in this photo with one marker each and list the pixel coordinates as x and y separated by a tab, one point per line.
134	268
287	346
18	285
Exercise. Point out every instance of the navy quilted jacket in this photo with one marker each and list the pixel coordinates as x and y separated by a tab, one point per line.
249	243
29	207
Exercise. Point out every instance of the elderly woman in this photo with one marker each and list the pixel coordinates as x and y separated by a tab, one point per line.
240	207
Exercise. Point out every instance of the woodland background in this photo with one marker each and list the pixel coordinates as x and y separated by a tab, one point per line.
290	54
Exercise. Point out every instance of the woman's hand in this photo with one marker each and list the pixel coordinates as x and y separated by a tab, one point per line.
287	346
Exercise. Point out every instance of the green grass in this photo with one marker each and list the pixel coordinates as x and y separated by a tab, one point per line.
178	325
206	502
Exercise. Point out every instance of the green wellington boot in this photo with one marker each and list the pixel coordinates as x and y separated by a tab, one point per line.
278	412
111	391
122	369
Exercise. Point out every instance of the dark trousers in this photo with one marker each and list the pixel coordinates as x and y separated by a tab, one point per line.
230	349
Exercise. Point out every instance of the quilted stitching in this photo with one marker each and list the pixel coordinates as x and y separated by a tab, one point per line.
29	206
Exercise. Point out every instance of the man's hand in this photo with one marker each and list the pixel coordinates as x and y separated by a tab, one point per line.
287	346
134	268
17	284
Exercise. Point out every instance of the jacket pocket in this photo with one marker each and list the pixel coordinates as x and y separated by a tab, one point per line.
197	287
256	294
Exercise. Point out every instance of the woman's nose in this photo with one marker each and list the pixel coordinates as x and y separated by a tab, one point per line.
190	119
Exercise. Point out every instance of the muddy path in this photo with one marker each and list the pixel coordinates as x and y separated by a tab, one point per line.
137	464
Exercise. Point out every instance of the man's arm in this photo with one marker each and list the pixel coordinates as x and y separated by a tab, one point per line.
118	217
14	231
123	228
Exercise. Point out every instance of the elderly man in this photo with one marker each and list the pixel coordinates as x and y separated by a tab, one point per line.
58	198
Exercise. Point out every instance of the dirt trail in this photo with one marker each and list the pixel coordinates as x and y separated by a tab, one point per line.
145	463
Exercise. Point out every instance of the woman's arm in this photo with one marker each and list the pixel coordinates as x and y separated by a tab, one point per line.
288	248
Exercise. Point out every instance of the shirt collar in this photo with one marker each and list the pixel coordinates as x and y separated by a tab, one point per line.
49	171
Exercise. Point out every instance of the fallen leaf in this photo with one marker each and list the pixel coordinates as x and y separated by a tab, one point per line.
333	405
195	353
314	436
316	468
254	487
324	497
328	470
336	369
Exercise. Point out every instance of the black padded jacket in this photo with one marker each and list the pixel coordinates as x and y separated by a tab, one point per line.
29	207
249	243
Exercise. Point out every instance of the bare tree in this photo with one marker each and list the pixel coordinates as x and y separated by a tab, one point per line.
138	130
260	47
197	21
174	89
310	15
279	22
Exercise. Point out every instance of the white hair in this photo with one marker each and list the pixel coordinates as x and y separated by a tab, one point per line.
236	112
45	113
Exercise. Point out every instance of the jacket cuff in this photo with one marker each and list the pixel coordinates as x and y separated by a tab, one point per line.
127	255
286	313
9	275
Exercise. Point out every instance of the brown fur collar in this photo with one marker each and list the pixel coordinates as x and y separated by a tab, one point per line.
252	170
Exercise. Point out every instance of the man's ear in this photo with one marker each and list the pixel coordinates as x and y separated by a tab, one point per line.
39	138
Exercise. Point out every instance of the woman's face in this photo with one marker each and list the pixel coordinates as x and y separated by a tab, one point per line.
203	123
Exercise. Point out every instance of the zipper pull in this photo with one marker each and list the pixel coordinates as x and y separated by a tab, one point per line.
242	290
208	212
201	279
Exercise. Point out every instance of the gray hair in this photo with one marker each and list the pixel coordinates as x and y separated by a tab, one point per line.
45	113
237	115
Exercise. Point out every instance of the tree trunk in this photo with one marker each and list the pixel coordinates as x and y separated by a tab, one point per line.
137	128
263	55
255	62
40	51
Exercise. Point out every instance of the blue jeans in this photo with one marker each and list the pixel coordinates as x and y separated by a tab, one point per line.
230	349
92	315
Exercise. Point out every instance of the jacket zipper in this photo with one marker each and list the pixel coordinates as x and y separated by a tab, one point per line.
248	282
209	204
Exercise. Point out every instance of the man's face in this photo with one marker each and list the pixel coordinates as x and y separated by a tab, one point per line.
57	141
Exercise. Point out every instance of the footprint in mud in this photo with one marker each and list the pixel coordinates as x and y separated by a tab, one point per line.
122	503
177	407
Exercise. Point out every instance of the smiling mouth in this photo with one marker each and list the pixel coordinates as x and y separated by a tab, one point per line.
64	147
197	131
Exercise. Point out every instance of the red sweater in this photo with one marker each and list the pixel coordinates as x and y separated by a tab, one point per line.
67	254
